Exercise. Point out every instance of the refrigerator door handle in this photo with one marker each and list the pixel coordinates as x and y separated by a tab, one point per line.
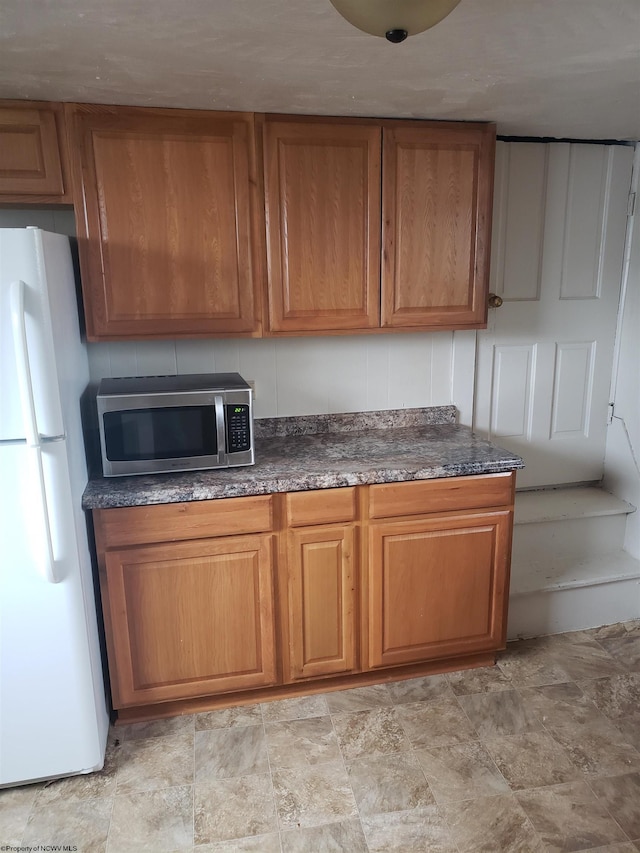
21	349
25	385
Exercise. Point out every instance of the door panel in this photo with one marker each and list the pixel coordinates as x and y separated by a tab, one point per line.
438	586
436	201
321	601
166	238
322	186
544	362
192	619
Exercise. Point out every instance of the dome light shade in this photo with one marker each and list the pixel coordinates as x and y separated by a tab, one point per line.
394	19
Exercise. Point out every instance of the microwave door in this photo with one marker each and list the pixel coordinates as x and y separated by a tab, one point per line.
159	436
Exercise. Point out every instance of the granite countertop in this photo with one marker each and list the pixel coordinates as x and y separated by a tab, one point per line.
323	452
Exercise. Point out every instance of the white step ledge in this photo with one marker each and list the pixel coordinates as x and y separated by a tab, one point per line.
572	573
559	504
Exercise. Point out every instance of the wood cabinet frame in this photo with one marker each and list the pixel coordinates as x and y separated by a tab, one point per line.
428	241
34	156
192	263
200	662
322	636
423	606
440	278
319	225
314	166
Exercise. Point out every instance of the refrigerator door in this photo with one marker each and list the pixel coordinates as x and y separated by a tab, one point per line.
53	711
22	258
50	722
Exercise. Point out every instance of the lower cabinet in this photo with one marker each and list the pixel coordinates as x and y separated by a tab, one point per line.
321	598
211	598
438	587
191	618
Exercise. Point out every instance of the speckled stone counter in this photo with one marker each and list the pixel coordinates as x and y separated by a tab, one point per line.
324	452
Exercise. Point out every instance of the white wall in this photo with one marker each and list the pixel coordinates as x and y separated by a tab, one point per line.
60	220
622	461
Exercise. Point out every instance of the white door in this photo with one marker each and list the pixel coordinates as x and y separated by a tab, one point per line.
544	363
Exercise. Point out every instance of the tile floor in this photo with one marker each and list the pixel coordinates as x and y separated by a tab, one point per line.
539	753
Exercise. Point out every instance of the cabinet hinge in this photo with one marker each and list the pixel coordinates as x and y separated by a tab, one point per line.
610	409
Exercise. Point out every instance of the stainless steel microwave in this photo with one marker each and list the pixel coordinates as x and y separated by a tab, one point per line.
152	424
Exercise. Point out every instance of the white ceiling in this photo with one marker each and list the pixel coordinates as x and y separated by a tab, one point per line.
563	68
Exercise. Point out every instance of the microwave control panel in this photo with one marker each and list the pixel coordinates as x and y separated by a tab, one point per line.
238	431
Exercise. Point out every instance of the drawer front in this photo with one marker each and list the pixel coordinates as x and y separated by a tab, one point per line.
174	522
392	500
324	506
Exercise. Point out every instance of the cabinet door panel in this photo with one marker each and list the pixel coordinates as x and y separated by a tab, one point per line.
31	152
437	192
321	601
439	587
191	620
322	184
166	240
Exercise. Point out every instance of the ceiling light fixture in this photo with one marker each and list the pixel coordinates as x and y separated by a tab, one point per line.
394	19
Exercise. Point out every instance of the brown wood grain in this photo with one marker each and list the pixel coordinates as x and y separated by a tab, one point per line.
389	500
322	201
438	586
436	200
323	506
168	212
321	586
192	620
141	525
33	153
417	574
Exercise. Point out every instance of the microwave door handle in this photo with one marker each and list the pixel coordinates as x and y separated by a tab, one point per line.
220	431
25	384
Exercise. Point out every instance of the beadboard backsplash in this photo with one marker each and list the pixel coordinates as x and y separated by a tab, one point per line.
323	375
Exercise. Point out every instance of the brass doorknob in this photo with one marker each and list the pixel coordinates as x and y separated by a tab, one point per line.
495	301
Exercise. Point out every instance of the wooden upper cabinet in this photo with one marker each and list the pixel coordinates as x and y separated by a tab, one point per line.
322	195
168	222
33	163
436	200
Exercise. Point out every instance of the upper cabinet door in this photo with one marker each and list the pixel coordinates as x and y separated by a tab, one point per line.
32	153
322	184
436	198
168	225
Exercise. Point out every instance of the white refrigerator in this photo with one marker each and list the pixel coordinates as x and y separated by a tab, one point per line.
53	713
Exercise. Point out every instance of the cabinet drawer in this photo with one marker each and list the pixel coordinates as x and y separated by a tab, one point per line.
415	498
324	506
172	522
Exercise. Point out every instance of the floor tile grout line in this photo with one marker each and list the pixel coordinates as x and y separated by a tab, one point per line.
606	807
110	826
271	779
344	764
